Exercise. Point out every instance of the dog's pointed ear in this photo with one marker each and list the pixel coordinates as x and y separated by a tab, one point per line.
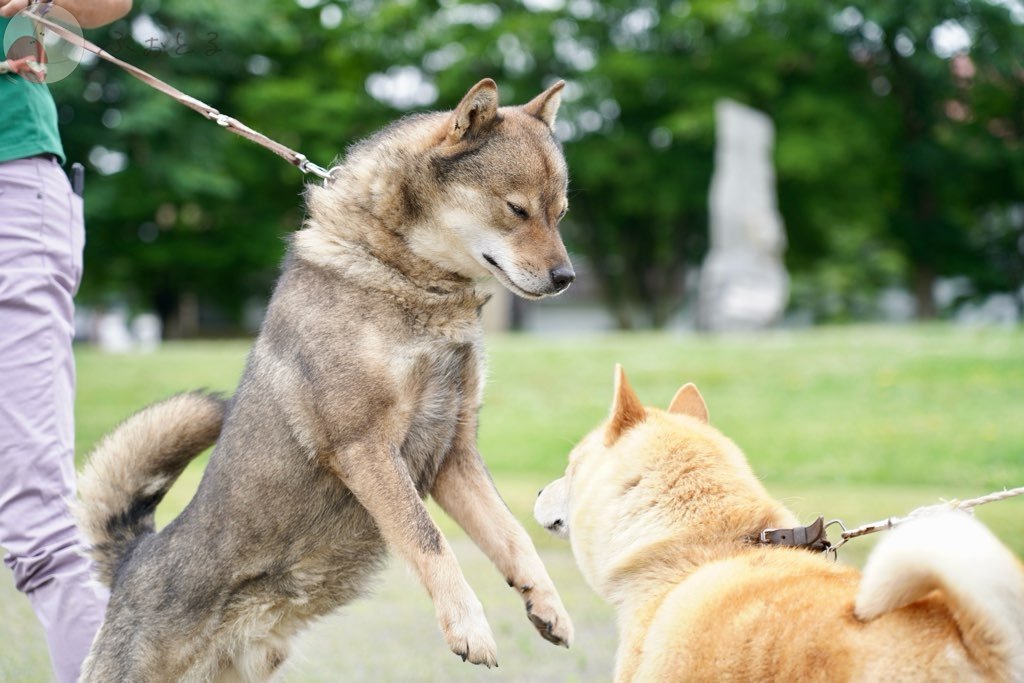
545	105
688	401
627	410
475	113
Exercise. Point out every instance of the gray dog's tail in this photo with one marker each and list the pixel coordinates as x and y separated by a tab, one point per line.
133	467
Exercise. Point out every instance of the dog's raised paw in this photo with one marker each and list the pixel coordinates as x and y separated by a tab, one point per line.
469	636
479	650
549	617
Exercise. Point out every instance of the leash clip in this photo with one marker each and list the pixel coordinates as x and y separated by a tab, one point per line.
308	167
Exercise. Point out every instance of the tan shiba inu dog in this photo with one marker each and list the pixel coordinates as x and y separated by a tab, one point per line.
360	397
664	515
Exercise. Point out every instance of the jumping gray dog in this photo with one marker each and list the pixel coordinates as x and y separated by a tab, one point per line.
360	398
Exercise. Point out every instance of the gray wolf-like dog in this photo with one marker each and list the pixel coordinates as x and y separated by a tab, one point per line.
359	398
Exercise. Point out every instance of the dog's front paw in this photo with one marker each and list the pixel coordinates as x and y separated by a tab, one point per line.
468	633
548	616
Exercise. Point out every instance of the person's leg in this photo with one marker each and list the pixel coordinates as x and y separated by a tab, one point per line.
41	241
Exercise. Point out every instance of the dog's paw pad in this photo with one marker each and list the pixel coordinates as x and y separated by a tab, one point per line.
551	621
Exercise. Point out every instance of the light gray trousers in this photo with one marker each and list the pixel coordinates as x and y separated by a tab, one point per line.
41	240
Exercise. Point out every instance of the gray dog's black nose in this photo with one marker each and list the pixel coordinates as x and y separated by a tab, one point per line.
562	277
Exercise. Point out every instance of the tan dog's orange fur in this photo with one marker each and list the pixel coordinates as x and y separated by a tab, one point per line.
662	511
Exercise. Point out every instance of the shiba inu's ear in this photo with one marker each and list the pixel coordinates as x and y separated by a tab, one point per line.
545	105
475	113
688	401
627	410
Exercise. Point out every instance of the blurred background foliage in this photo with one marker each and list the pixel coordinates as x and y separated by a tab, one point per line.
899	124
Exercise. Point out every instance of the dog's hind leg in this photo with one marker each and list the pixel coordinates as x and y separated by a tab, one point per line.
465	491
380	481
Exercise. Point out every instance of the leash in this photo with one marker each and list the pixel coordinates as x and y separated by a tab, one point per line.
814	537
234	125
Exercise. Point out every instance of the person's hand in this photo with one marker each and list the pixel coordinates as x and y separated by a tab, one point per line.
8	8
22	59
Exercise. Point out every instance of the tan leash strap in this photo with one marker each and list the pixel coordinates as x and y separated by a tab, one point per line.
813	536
963	505
234	125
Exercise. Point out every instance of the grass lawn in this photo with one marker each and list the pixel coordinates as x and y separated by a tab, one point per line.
853	422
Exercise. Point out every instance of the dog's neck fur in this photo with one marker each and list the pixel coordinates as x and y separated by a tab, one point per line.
709	502
379	259
638	581
440	307
646	572
360	221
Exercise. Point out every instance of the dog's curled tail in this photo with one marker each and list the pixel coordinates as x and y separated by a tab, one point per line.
133	467
982	581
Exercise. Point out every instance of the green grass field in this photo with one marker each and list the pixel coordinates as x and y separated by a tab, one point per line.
853	422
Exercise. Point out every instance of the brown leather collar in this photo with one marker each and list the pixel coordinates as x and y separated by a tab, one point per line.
811	537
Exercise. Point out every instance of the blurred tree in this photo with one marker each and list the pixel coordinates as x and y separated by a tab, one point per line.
952	76
898	148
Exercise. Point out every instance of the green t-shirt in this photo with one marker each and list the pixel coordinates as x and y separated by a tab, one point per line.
28	117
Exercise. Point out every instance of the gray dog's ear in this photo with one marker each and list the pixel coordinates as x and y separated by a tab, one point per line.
475	113
688	401
545	105
627	410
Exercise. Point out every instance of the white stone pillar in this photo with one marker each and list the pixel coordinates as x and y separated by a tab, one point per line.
743	284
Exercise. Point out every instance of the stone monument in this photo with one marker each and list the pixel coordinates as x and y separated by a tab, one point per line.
743	281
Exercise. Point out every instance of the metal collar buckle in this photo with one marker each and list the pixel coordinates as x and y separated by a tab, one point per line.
811	537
